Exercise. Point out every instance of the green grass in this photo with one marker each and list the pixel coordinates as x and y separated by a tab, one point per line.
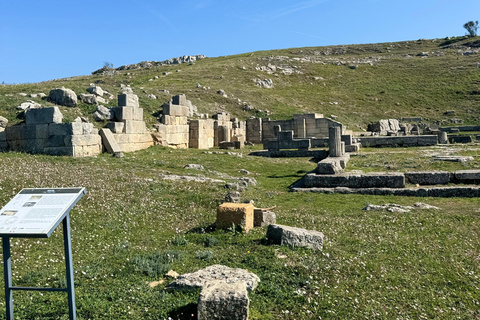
132	227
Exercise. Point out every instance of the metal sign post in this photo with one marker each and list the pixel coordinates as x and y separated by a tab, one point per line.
36	213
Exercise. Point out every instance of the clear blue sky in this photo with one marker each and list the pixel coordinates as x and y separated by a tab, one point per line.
44	40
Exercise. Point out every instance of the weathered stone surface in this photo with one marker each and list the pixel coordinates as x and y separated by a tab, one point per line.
116	127
43	115
402	141
3	122
215	272
96	90
467	176
233	197
29	105
63	97
103	113
334	141
194	166
295	237
238	214
90	98
263	218
330	165
428	177
352	180
128	100
223	301
453	158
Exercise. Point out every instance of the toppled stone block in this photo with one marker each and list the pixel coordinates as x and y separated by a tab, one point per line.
238	214
263	218
223	301
109	141
295	237
43	115
215	272
428	177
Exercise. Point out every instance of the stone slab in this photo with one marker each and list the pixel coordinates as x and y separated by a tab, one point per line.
351	180
428	177
109	141
223	301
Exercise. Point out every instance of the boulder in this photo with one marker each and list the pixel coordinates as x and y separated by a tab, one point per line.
215	272
103	113
263	218
96	90
295	237
233	197
3	122
29	104
91	98
63	97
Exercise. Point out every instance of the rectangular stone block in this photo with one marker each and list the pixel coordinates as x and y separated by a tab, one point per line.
43	115
133	126
238	214
116	127
138	114
175	110
83	140
109	141
467	176
295	237
28	132
263	218
55	141
221	300
63	129
14	132
428	177
180	99
349	180
128	100
124	113
3	136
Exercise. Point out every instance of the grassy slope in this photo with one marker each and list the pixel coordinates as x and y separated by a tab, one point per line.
398	84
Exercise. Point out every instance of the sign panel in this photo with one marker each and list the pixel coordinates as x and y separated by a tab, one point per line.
37	212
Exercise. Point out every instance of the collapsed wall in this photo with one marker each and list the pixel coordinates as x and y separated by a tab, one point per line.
44	132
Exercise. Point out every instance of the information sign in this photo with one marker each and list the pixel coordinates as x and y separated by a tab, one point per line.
37	212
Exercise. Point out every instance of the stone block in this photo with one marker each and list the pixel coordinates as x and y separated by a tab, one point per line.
285	135
116	127
295	237
59	129
109	141
55	141
349	180
58	151
124	113
223	301
175	110
330	165
355	147
428	177
138	114
238	214
83	140
128	100
180	99
133	126
3	136
263	218
43	115
28	132
14	132
467	176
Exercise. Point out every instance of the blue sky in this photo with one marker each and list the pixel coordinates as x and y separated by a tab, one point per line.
44	40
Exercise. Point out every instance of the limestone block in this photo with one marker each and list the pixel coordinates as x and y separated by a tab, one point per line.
63	97
3	136
330	165
121	138
223	301
56	141
59	129
428	177
124	113
468	176
128	100
295	237
175	110
41	131
87	128
116	127
263	218
28	132
138	114
3	145
83	140
58	151
180	99
350	180
43	115
133	126
239	214
109	141
285	135
14	132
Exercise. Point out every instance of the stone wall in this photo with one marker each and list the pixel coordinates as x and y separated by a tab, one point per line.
201	134
303	126
44	132
128	127
399	141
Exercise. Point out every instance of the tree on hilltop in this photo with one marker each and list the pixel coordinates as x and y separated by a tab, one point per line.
471	28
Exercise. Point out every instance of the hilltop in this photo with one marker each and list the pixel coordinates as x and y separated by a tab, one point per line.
356	83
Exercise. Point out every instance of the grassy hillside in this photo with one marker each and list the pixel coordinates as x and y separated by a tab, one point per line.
357	83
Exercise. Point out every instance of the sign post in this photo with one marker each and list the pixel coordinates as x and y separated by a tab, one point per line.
36	213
